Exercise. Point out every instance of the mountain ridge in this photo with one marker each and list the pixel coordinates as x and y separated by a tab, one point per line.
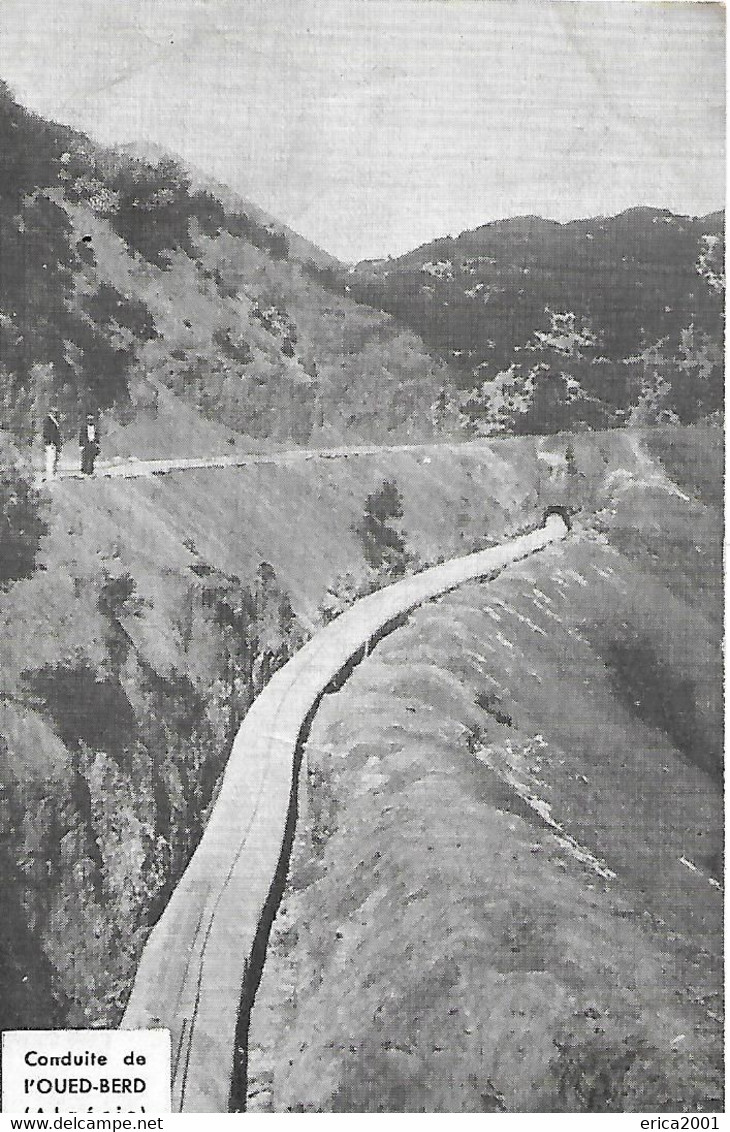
587	323
534	220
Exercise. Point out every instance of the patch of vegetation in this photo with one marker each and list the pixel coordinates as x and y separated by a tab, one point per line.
233	346
118	597
344	592
262	236
86	706
491	703
22	524
380	535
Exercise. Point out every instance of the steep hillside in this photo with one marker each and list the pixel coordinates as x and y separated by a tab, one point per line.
300	248
160	606
505	891
505	894
158	609
554	325
140	617
121	277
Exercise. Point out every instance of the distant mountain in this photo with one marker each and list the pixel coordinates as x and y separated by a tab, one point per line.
642	289
634	276
123	274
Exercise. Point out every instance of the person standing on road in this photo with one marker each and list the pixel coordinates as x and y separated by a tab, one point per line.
89	444
52	442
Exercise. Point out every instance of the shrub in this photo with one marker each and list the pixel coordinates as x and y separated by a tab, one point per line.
233	346
108	305
22	525
118	597
603	1072
383	544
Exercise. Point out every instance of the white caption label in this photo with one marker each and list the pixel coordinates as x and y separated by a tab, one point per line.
104	1071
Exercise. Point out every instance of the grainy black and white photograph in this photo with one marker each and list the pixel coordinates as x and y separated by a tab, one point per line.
361	531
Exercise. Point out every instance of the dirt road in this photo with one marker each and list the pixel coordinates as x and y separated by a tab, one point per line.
132	468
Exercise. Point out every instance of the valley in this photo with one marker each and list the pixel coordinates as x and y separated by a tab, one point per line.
494	884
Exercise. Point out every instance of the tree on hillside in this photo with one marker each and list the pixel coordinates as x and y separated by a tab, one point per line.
383	543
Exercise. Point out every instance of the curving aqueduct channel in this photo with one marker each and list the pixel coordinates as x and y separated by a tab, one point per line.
201	965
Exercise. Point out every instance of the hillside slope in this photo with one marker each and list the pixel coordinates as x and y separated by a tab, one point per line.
643	273
120	277
445	947
505	892
162	605
124	273
159	608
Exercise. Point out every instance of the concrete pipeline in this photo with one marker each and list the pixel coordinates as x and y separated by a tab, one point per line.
202	963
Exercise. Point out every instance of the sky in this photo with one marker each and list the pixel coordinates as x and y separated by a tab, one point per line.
372	126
